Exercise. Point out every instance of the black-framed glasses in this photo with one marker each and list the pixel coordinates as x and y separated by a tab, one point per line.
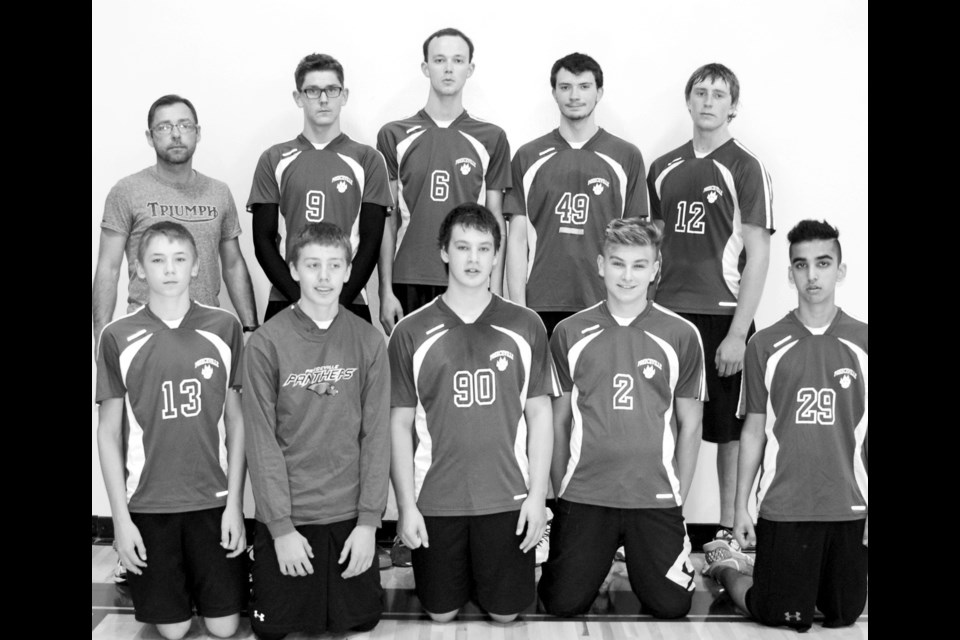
184	127
313	93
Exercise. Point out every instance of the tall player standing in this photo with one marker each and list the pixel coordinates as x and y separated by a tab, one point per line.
321	175
568	184
437	159
472	374
714	200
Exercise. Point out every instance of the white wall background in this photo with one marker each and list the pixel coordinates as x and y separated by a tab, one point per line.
803	102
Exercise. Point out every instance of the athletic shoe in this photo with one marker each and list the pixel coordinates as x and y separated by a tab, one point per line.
120	573
400	554
720	553
383	557
543	546
727	536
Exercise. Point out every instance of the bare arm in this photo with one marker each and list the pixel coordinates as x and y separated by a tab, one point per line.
410	525
753	439
562	414
495	204
517	261
390	310
133	553
237	278
539	417
105	281
233	536
729	356
690	428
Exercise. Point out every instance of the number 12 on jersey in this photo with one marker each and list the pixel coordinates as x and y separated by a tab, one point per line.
690	219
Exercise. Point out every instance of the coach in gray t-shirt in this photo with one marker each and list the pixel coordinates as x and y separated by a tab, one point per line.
172	190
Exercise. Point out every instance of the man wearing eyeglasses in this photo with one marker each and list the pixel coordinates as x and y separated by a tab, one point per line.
438	158
321	175
172	190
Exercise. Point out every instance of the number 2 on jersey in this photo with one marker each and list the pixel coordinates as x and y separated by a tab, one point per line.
573	208
690	219
189	388
623	385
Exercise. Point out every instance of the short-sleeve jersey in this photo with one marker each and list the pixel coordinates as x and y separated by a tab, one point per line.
567	197
174	384
813	392
623	383
319	185
316	417
704	203
436	169
470	384
203	205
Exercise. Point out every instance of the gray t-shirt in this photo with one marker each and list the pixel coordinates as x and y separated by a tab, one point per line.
203	205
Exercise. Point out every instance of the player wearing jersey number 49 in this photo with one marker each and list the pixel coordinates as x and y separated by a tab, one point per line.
171	444
321	175
472	374
713	200
436	159
567	185
805	401
633	382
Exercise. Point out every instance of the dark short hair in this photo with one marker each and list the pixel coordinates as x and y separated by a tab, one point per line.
711	72
168	229
632	232
166	101
471	216
449	31
809	230
325	234
577	63
317	62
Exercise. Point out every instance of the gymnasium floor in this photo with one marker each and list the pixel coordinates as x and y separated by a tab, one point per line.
615	617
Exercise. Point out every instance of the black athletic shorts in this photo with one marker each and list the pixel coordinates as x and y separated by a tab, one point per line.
802	565
552	318
318	602
414	296
276	306
720	421
186	567
583	541
475	557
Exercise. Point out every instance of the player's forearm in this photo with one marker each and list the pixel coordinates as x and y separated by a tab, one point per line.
240	289
516	259
561	440
751	280
374	442
539	418
401	456
752	441
104	297
110	447
690	429
265	224
236	458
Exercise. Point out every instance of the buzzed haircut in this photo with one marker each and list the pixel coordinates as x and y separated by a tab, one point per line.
170	230
166	101
449	31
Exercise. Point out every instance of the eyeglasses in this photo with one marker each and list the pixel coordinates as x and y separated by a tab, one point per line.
184	127
314	92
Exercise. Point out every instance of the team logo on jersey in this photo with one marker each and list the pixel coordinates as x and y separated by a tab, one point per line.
713	192
183	212
207	370
647	367
465	165
325	373
501	358
598	185
845	374
343	182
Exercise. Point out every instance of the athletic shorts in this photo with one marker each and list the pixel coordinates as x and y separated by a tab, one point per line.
583	541
552	318
318	602
720	422
186	567
474	557
276	306
414	296
802	565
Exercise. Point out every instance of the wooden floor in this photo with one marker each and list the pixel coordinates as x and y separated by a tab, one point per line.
614	617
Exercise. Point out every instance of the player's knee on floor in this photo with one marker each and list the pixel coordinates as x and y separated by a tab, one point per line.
266	635
564	605
503	618
174	631
222	627
366	626
443	617
668	609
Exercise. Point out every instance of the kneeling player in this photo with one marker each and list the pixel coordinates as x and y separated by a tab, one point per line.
318	446
627	433
805	381
473	372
